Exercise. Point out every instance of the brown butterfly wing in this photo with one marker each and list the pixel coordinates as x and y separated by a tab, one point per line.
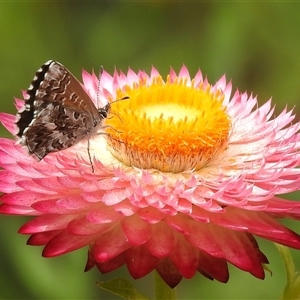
58	112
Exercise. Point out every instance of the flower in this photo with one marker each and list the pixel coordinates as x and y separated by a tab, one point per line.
183	179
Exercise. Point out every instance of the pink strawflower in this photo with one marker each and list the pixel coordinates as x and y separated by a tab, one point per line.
185	177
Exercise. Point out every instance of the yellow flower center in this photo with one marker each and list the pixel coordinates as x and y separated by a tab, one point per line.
171	127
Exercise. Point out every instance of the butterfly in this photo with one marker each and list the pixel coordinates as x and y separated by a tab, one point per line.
58	112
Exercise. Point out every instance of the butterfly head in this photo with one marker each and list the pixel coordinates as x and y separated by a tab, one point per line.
104	111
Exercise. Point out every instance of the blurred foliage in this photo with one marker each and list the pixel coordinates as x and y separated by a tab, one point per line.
256	44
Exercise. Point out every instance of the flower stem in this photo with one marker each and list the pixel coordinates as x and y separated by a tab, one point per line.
292	288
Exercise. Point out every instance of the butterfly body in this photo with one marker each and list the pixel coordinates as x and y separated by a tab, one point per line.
58	113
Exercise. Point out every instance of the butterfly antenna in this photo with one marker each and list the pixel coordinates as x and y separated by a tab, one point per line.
124	98
99	81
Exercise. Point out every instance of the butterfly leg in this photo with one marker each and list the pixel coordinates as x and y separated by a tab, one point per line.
89	154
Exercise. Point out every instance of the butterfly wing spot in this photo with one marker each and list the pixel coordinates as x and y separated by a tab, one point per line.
76	115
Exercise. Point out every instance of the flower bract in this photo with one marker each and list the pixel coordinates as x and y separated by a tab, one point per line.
185	174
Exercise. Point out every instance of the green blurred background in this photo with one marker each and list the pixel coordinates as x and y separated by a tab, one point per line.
257	45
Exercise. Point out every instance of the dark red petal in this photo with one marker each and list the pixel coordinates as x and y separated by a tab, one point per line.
140	261
91	262
64	243
42	238
168	272
111	265
185	257
215	267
